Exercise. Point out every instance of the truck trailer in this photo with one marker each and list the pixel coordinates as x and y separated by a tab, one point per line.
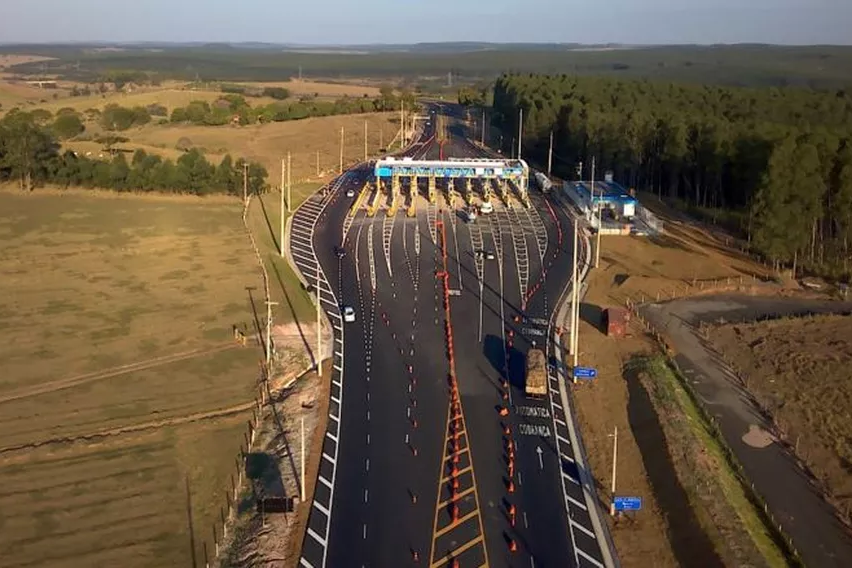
536	379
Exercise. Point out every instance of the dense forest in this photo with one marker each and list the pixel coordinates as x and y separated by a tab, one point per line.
757	65
30	156
778	161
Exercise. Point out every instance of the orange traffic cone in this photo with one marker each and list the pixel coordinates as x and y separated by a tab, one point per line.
504	411
511	486
415	555
513	546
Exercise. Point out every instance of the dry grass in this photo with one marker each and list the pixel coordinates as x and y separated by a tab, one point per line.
10	59
94	456
800	370
635	267
269	143
170	98
324	90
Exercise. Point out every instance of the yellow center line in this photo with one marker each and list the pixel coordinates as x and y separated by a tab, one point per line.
461	471
459	551
458	496
454	524
460	452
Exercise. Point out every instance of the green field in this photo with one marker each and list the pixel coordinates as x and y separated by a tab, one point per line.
121	377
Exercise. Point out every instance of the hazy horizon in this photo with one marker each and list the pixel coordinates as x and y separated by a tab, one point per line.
337	22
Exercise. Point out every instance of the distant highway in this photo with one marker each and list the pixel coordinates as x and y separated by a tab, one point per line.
390	491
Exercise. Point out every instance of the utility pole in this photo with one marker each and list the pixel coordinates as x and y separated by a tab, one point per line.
381	137
302	461
245	182
614	458
520	131
319	325
281	239
600	220
512	149
365	140
289	184
341	149
550	155
572	349
402	122
482	133
269	305
318	171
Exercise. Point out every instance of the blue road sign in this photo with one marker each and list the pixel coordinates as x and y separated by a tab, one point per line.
628	503
585	373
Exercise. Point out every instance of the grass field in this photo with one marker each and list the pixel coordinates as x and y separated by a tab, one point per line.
121	377
800	370
269	143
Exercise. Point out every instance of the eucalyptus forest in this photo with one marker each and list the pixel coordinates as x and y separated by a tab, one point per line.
775	163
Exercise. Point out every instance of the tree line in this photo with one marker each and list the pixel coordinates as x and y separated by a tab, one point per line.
778	161
234	107
30	156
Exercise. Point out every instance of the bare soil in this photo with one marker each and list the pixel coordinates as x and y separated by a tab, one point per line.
685	259
800	371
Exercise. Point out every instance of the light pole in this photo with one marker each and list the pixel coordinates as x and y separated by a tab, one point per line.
281	239
289	185
614	458
520	131
341	149
319	325
269	305
550	155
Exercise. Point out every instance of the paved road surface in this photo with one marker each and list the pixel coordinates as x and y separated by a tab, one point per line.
384	492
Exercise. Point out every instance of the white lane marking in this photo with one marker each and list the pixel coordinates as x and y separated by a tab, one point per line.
560	421
576	503
333	417
366	495
368	439
332	437
315	536
569	478
566	457
520	479
305	563
365	531
338	368
589	558
367	464
325	482
335	400
563	440
329	458
582	528
526	524
338	340
320	507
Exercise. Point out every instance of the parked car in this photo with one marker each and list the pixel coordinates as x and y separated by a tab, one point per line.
350	193
489	255
486	208
348	314
339	251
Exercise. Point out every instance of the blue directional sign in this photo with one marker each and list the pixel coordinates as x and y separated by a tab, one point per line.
628	503
585	373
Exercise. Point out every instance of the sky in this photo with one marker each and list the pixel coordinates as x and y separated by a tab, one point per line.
411	21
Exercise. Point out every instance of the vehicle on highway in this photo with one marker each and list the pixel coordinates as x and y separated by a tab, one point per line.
470	216
489	255
486	208
536	374
340	251
348	314
350	193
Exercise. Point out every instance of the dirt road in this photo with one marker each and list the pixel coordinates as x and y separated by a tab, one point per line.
803	514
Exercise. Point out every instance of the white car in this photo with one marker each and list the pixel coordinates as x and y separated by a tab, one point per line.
350	193
486	208
348	314
489	255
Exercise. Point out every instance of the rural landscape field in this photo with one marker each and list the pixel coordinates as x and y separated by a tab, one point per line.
141	197
122	380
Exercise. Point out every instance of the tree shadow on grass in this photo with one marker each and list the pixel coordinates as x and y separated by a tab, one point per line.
275	242
687	538
313	357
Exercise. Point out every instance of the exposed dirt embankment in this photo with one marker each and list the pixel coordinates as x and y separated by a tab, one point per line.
800	371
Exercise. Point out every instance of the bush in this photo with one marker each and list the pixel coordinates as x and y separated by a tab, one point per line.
68	126
278	93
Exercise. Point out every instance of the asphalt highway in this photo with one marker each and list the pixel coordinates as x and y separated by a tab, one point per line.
393	501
